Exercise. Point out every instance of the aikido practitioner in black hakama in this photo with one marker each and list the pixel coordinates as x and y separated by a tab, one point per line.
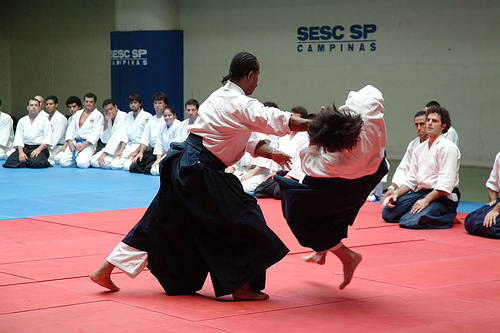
343	163
201	221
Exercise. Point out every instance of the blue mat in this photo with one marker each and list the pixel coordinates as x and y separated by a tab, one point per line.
34	192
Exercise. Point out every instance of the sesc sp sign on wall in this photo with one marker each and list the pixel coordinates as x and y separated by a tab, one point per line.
146	62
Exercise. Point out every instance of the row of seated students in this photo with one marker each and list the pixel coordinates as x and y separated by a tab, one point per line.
135	141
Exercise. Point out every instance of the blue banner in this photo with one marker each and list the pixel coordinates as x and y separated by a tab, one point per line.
146	62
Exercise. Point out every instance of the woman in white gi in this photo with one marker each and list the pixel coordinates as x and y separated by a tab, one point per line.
201	220
343	163
485	221
170	131
33	136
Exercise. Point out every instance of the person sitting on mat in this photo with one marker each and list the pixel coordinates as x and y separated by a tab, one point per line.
343	163
32	138
485	221
428	198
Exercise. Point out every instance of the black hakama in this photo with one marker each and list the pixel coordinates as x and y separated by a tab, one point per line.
202	221
320	210
474	222
41	161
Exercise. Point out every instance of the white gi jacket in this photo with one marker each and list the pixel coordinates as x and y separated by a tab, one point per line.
37	133
6	130
493	182
167	135
114	133
366	157
135	127
404	165
185	131
227	119
150	134
91	129
59	123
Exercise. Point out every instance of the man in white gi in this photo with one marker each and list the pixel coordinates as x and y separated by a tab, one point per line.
135	125
404	166
83	134
33	136
428	198
42	105
141	160
6	133
191	108
73	103
113	135
59	123
452	134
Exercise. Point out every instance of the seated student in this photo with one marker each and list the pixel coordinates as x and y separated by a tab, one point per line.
73	103
137	119
33	136
59	123
291	145
251	171
170	131
428	198
6	133
143	157
112	135
485	221
452	134
83	134
191	107
343	163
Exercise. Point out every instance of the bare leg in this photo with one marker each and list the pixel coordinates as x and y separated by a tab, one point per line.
102	276
316	257
350	260
245	293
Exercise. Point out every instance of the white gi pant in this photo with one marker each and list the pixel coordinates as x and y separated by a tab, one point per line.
119	163
128	259
251	183
107	160
81	160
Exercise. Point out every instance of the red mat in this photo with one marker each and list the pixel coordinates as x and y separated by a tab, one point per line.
408	281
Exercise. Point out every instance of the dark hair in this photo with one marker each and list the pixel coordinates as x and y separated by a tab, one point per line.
108	101
242	64
52	97
90	95
419	113
134	97
159	96
432	103
311	115
0	102
300	110
171	108
72	100
33	99
192	101
335	130
271	104
445	116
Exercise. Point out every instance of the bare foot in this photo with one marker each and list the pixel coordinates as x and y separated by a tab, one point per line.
245	293
349	268
316	257
102	276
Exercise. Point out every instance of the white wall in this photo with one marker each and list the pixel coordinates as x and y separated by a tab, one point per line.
427	50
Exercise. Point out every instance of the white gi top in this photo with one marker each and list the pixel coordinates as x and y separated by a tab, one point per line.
185	131
167	135
293	147
493	182
135	127
150	134
91	129
366	157
36	133
227	119
452	135
114	133
59	124
6	130
404	165
434	167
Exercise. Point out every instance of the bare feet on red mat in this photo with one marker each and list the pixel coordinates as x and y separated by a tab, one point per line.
349	268
102	276
245	293
315	257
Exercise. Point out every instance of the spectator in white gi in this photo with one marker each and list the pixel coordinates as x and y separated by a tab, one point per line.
73	103
59	123
191	107
6	133
83	134
143	157
112	135
169	132
33	136
137	119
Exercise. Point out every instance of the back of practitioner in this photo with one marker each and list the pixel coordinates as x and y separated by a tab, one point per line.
343	163
6	133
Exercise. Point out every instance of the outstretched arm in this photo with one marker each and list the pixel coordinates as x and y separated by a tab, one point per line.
298	124
263	149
